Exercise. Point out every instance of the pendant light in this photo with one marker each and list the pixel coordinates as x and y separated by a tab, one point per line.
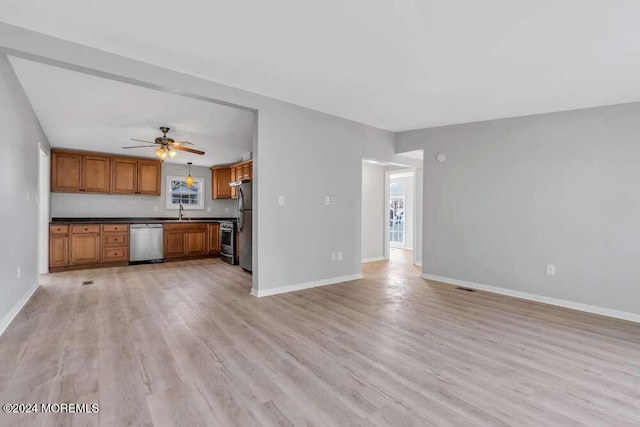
189	179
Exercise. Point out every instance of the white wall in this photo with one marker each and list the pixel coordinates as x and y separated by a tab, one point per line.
372	211
300	154
75	205
517	194
21	133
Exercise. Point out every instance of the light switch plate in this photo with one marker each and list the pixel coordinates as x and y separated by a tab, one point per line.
327	200
281	200
333	200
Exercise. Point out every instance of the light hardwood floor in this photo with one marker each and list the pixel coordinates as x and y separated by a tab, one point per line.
184	344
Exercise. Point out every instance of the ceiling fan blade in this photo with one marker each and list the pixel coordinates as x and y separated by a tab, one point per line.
139	146
188	150
182	143
142	140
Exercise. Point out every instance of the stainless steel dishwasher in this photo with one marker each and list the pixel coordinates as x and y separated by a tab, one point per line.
145	243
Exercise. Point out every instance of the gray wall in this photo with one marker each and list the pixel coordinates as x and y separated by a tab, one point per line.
299	153
21	133
372	211
517	194
72	205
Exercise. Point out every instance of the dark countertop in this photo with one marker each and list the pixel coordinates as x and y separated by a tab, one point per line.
137	220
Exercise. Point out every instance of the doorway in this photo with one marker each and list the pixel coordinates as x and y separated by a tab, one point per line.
43	210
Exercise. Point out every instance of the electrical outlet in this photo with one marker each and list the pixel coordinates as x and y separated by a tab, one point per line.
333	256
28	196
327	200
155	209
333	200
281	200
551	270
226	210
19	272
208	208
339	256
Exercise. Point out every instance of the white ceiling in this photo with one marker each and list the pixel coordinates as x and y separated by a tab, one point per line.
84	112
397	65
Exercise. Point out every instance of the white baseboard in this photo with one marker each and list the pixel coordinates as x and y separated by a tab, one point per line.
6	321
624	315
301	286
373	259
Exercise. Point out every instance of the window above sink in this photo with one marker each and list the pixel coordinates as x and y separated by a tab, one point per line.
191	197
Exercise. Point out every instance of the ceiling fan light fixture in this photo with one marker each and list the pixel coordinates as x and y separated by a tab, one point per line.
172	153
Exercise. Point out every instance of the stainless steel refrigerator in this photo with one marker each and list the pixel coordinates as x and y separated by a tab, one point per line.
245	221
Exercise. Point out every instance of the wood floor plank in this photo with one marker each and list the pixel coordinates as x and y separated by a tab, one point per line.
184	343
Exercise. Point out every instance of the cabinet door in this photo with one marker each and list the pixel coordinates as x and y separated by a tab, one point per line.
220	179
213	238
246	170
195	242
234	177
85	248
124	176
66	172
149	177
173	244
58	250
96	173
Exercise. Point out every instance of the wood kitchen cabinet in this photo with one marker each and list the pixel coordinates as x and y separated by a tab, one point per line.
87	245
124	176
195	242
66	172
85	248
58	250
220	180
96	174
134	176
173	243
221	176
73	172
149	177
191	240
213	239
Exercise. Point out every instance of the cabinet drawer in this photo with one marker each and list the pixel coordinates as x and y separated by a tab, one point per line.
194	226
58	229
115	227
115	239
116	254
87	228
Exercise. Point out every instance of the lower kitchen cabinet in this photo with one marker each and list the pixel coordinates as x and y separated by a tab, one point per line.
185	240
213	238
173	243
195	242
58	250
87	245
85	248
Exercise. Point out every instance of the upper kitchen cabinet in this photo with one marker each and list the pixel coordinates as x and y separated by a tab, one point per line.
74	172
96	174
124	175
220	180
149	177
222	176
66	172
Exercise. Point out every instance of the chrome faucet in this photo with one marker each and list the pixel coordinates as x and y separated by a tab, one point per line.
181	212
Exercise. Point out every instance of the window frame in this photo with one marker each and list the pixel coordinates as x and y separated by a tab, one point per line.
176	206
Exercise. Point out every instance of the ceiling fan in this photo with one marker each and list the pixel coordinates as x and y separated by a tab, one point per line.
167	146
